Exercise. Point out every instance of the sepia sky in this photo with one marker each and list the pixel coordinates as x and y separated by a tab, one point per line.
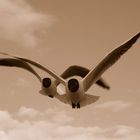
57	34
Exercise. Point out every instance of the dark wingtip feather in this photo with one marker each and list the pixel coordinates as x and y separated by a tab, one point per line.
134	39
108	88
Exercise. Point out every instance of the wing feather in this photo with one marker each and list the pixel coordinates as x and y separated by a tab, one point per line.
107	62
75	70
48	70
10	62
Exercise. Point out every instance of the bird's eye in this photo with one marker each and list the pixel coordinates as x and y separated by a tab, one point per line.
46	82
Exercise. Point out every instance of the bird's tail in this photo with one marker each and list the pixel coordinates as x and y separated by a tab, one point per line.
89	99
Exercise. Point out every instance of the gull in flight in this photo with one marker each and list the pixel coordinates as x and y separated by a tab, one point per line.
75	89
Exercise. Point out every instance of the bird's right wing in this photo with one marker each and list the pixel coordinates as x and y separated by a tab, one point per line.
107	62
48	70
10	62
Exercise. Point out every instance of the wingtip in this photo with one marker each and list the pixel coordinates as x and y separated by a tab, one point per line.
137	35
134	39
108	88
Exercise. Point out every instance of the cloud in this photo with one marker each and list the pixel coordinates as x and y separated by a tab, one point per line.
31	124
115	106
21	24
27	112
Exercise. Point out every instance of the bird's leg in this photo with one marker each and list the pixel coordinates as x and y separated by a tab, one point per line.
51	96
73	105
78	105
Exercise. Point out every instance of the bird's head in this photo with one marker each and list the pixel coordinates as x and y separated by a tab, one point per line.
73	85
46	82
48	87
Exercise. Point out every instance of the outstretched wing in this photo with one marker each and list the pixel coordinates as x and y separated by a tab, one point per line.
75	70
108	61
10	62
48	70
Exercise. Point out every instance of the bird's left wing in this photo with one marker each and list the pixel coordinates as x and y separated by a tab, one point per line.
11	62
107	62
48	70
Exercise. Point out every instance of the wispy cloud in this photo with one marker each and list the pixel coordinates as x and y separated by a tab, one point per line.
31	124
20	23
115	106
